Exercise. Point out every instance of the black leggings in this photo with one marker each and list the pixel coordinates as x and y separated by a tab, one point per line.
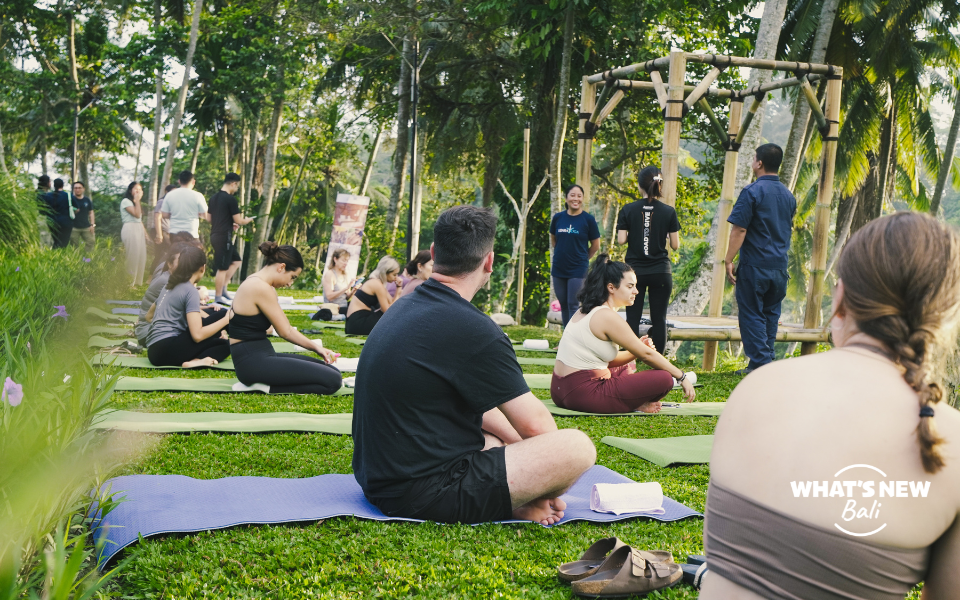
660	285
257	362
362	322
174	351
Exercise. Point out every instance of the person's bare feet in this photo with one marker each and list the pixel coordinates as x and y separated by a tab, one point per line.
200	362
650	407
546	511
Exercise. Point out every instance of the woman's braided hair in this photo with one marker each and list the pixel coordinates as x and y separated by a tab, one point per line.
901	282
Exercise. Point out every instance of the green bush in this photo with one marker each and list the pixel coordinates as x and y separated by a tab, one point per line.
19	211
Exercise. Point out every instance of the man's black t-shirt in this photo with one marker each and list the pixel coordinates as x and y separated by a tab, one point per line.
222	207
429	370
648	224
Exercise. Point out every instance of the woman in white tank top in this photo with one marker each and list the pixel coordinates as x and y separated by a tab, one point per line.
591	373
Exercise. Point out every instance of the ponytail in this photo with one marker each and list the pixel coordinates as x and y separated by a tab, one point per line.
650	180
603	271
192	259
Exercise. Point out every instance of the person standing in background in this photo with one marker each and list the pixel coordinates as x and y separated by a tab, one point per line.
575	238
762	223
133	234
84	219
645	226
185	207
61	215
161	230
225	219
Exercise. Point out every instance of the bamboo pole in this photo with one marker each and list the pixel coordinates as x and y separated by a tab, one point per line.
588	102
717	60
627	84
821	228
524	193
751	113
602	114
727	190
657	83
605	92
700	89
711	336
778	84
811	97
670	156
714	121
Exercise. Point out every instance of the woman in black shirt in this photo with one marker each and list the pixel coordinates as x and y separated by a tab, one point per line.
644	226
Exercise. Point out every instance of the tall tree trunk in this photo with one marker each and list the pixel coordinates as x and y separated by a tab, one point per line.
493	144
368	171
154	192
792	155
293	193
403	145
182	100
251	157
695	298
560	124
136	168
196	151
3	160
948	152
270	172
72	52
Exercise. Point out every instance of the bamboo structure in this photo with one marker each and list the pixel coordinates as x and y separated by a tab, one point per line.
594	110
821	226
524	194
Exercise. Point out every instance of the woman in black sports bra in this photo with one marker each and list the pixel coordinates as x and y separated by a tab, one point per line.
372	300
255	308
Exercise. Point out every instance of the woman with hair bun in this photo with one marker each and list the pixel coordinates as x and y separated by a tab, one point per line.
863	416
645	226
371	300
177	335
419	269
575	238
255	309
591	374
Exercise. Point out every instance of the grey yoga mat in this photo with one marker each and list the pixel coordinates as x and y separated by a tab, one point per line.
338	424
119	331
142	362
688	450
97	341
686	409
157	504
110	317
126	311
124	302
182	384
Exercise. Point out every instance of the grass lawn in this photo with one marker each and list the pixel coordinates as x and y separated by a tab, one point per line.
346	557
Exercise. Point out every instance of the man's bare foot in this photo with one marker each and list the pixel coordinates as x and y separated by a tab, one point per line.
545	511
200	362
650	407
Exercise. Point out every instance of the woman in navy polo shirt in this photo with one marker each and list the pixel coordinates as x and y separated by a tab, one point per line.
575	238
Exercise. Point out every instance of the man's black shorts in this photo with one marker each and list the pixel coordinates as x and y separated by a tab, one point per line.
473	490
224	252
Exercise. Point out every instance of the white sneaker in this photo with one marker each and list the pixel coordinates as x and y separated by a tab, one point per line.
257	387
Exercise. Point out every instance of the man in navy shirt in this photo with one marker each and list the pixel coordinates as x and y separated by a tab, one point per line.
762	221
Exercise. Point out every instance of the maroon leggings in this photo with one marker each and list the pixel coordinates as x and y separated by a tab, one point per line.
605	391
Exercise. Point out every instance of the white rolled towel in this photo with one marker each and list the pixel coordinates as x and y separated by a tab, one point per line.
350	382
536	344
621	498
318	299
347	365
691	376
285	299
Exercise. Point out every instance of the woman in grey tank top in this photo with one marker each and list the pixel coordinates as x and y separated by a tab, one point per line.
837	475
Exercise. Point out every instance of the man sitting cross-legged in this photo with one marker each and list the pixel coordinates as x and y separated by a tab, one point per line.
444	425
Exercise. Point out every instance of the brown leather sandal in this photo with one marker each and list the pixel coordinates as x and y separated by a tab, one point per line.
625	573
591	560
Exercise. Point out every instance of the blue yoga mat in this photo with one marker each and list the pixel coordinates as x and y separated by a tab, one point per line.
158	504
125	302
126	311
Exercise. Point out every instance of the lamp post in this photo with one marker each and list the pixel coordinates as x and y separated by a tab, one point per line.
413	214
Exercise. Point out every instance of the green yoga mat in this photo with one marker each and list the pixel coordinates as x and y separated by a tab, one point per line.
101	342
111	317
520	347
688	450
142	362
338	424
120	331
345	334
357	341
686	409
546	362
180	384
326	325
